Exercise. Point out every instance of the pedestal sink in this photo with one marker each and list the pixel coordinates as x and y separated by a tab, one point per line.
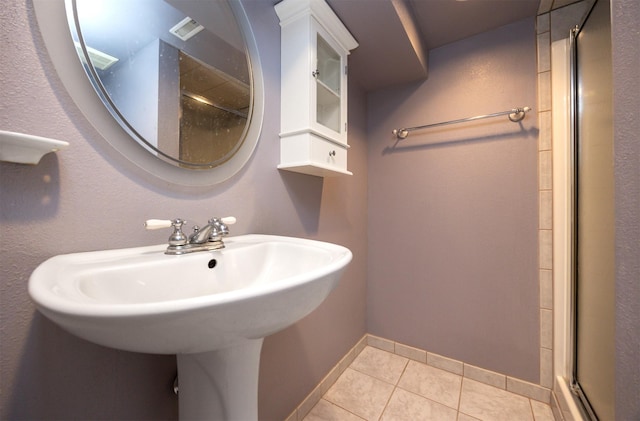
212	309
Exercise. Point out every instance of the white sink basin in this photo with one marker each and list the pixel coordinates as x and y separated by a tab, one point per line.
142	300
212	306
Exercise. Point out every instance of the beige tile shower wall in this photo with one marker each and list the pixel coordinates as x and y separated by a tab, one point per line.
550	26
545	222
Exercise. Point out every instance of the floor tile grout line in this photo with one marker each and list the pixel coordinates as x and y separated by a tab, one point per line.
386	405
404	370
372	377
375	377
347	410
397	384
395	387
533	414
427	398
457	408
460	395
341	407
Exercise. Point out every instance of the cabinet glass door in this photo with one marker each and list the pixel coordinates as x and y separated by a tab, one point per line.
328	79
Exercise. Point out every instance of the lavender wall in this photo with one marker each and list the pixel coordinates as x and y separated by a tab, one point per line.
90	198
452	225
453	210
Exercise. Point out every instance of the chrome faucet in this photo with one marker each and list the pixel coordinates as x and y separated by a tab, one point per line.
213	231
202	239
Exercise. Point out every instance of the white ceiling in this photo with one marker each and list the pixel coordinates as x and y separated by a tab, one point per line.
446	21
395	35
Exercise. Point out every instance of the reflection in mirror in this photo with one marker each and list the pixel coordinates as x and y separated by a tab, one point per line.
174	73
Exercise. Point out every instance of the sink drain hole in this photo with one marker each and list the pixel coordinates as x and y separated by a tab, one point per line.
212	263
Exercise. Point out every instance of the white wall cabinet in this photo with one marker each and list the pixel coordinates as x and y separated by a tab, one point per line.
313	124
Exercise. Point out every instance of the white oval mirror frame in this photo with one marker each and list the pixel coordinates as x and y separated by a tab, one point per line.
52	20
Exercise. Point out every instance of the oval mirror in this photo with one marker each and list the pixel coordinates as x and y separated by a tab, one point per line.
180	77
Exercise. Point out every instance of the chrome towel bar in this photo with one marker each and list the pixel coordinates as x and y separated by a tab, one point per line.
515	115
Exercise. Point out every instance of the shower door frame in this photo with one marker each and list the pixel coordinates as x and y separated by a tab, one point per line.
574	151
573	258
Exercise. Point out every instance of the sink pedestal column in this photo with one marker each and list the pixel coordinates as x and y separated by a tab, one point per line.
221	384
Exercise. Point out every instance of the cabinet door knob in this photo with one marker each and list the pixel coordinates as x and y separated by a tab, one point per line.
315	73
332	153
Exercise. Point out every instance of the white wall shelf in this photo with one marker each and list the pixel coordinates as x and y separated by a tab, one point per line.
27	149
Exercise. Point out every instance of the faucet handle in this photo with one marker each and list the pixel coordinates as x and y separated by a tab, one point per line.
154	224
177	238
219	227
228	220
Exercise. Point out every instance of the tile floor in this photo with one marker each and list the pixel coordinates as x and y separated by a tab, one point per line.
379	385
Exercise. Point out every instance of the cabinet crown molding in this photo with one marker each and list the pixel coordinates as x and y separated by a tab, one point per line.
291	10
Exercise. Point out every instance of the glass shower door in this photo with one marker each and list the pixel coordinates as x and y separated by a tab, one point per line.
594	276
